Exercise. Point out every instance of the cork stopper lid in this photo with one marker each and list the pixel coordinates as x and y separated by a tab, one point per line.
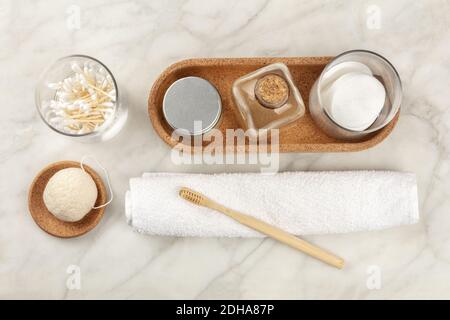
272	91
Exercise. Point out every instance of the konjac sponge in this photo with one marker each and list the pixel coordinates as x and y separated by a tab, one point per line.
70	194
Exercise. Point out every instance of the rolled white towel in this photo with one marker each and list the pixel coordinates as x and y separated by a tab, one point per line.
301	203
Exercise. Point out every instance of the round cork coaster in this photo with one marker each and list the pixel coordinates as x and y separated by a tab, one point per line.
47	221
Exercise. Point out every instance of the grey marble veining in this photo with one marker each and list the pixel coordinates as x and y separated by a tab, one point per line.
139	39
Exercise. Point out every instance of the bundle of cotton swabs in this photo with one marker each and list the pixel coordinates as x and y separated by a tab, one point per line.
84	101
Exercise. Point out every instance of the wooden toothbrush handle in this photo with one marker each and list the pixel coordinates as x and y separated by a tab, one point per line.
282	236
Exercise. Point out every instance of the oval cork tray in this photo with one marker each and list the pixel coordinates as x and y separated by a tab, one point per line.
300	136
48	222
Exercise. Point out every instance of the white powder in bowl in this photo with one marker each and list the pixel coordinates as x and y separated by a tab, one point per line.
70	194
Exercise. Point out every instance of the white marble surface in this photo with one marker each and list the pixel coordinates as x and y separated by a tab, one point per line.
137	40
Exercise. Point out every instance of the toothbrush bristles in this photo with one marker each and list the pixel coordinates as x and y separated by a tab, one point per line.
190	196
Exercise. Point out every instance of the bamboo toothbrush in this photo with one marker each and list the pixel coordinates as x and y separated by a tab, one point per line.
267	229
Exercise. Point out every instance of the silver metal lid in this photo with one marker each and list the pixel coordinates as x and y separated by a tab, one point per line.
190	100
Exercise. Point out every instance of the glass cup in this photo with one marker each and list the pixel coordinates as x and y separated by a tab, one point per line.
382	69
63	69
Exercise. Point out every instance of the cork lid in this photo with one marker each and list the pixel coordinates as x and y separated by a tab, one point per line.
272	91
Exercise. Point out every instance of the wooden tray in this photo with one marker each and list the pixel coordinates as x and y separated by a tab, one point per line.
300	136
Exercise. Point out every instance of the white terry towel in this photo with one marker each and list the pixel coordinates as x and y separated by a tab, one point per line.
301	203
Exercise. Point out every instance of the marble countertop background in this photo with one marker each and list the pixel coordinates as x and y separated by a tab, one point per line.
137	40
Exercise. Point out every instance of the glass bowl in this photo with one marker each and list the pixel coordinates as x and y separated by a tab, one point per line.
381	69
51	82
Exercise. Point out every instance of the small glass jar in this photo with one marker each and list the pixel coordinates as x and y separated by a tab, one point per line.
267	98
78	97
382	70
